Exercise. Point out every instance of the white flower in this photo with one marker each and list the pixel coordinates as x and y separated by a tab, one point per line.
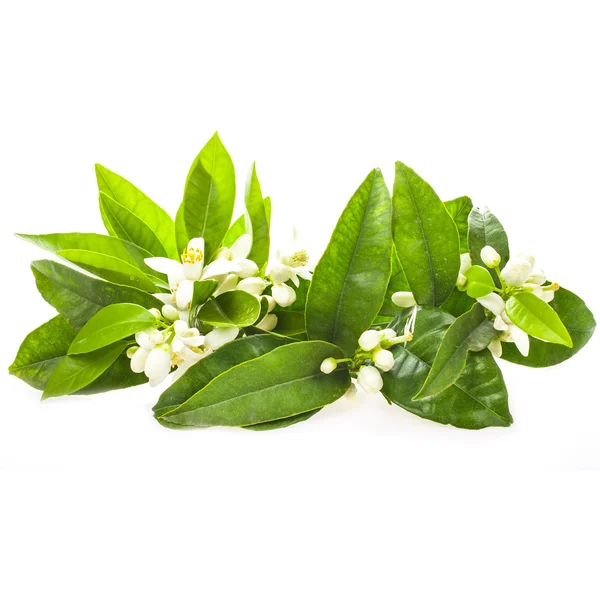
537	276
490	257
238	254
499	323
329	365
493	302
403	299
268	323
369	379
520	339
138	360
158	364
384	359
190	359
283	294
517	270
219	336
252	285
369	339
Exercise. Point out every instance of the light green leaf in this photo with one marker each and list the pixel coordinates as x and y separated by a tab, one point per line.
130	215
257	224
44	348
459	210
237	229
75	372
350	281
479	282
78	297
230	309
283	383
471	332
110	324
221	360
426	238
538	319
486	230
477	399
580	323
208	198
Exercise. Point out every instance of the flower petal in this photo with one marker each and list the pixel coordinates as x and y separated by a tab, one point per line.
184	294
242	246
220	335
167	266
221	266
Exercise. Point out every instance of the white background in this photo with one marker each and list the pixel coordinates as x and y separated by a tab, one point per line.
499	101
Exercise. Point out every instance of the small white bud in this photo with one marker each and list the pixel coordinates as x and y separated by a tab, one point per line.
403	299
384	359
369	340
329	365
461	282
170	312
492	302
138	360
158	364
248	267
283	294
369	379
490	257
465	262
155	313
495	347
252	285
268	323
156	337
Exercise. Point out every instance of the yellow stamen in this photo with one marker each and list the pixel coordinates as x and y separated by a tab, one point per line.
299	259
192	255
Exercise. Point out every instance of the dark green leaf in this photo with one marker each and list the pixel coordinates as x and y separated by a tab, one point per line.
230	309
471	332
281	423
426	238
283	383
459	210
580	324
486	230
457	303
477	399
257	224
75	372
208	198
78	297
290	323
479	282
538	319
397	283
351	279
224	358
110	324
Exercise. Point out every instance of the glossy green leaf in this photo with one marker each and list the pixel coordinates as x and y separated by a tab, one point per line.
221	360
351	279
110	324
397	283
281	423
257	224
283	383
78	297
477	399
459	210
299	304
457	303
237	229
537	318
426	238
479	282
44	348
208	198
580	323
107	257
486	230
290	322
230	309
76	371
471	332
130	215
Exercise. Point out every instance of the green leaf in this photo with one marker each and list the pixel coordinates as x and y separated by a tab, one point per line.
397	283
538	319
477	399
299	304
350	281
471	332
130	215
426	238
290	322
78	297
208	198
230	309
257	224
44	348
237	229
107	257
580	323
281	423
283	383
110	324
221	360
459	210
457	303
486	230
479	282
75	372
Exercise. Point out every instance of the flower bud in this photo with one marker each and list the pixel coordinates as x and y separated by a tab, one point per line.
283	294
158	364
143	339
252	285
387	334
465	262
170	312
495	347
138	360
492	302
516	271
369	379
384	359
403	299
461	282
490	257
268	323
329	365
156	337
369	340
155	313
131	351
248	267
